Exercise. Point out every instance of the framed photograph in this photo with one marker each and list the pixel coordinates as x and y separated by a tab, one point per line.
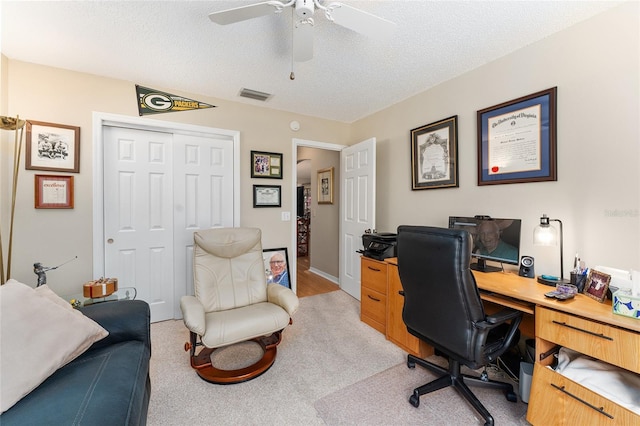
434	155
276	266
325	186
517	140
267	196
52	147
597	285
266	165
53	192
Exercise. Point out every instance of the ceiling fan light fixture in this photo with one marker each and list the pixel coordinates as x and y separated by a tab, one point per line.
254	94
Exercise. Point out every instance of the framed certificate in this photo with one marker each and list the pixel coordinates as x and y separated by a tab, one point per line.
267	196
53	192
517	140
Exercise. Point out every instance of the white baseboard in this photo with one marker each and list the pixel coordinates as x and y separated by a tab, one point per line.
325	276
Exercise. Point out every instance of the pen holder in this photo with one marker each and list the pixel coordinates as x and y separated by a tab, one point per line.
578	280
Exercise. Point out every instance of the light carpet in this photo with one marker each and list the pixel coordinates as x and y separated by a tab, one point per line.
331	369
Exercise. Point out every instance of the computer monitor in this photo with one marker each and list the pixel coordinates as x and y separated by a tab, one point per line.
496	240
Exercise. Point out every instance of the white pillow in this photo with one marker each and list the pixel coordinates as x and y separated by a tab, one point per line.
39	333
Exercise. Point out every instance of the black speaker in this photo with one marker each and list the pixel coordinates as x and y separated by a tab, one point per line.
526	267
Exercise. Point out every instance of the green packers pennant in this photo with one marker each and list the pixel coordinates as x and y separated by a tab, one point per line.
152	101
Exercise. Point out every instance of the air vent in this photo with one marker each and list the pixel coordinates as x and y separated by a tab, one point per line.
254	94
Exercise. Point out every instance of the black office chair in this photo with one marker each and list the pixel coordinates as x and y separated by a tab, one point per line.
442	307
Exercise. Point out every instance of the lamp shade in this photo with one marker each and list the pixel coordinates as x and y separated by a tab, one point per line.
545	235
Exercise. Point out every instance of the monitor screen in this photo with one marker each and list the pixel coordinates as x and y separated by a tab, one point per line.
494	239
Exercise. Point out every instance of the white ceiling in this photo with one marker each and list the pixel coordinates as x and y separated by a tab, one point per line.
172	45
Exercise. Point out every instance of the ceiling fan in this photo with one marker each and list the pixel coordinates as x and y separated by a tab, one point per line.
349	17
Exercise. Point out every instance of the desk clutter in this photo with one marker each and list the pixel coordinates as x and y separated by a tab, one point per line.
102	287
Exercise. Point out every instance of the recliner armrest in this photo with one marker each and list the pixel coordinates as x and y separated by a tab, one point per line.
124	320
283	297
193	314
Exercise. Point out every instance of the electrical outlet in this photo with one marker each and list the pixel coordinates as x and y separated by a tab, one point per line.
286	216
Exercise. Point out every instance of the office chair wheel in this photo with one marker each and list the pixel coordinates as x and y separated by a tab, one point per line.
187	346
414	400
511	396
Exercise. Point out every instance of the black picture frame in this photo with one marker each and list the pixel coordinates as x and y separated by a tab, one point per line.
266	165
517	140
272	270
434	155
267	196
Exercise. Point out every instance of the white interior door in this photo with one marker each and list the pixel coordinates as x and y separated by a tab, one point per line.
357	209
203	190
158	189
138	219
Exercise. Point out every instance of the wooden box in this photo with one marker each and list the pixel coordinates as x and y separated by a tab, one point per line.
100	288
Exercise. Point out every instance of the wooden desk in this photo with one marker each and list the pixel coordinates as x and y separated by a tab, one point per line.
581	324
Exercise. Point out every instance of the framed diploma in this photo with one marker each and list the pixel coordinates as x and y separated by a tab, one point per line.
53	192
517	140
267	196
434	155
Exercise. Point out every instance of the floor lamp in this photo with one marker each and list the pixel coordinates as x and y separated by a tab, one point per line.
15	124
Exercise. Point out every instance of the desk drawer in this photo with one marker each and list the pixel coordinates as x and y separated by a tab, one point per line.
373	307
373	275
556	399
604	342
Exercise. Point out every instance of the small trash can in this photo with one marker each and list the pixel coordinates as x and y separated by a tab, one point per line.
526	374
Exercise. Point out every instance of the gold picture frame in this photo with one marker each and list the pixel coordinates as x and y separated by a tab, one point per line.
597	285
325	186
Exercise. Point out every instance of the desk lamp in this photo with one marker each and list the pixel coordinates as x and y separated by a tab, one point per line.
547	235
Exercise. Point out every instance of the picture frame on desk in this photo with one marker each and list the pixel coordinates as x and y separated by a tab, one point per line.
597	285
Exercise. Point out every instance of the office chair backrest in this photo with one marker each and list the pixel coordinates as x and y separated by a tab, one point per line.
228	270
441	300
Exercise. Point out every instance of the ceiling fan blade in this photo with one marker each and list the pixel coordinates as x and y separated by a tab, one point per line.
303	42
360	21
243	13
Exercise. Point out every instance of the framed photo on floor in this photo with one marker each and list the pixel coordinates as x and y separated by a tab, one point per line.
276	266
52	147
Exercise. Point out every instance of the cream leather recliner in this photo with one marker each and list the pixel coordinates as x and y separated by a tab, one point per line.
233	302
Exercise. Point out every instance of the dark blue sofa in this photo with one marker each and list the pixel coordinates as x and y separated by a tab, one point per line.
107	385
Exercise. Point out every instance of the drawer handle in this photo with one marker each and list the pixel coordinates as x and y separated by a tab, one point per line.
599	410
372	298
564	324
373	269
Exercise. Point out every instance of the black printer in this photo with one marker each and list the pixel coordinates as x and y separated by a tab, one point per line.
379	246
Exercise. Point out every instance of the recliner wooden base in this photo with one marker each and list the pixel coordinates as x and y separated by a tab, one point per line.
203	366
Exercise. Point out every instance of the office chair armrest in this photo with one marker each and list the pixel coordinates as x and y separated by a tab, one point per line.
193	314
502	316
283	297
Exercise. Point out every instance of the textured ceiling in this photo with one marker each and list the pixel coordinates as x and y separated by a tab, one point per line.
173	45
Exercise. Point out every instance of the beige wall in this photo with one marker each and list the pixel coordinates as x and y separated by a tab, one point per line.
595	66
54	95
325	218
